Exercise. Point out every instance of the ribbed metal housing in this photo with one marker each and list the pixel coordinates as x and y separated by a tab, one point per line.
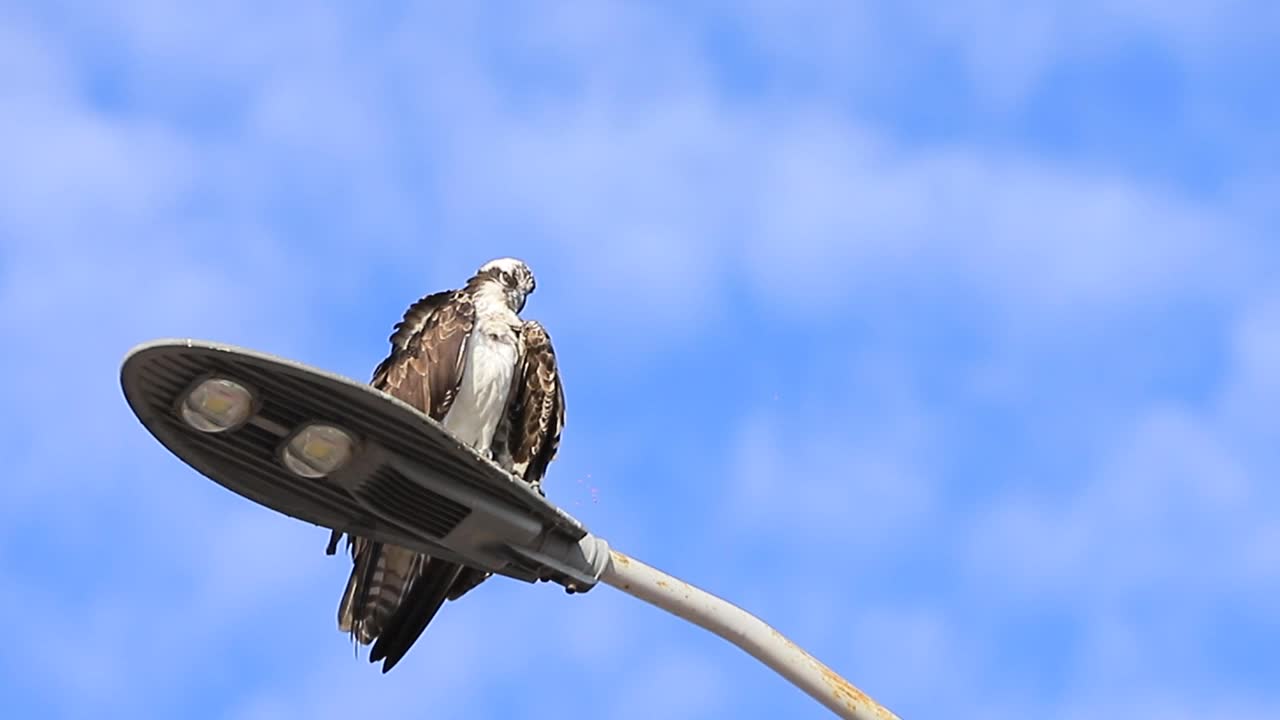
372	497
393	494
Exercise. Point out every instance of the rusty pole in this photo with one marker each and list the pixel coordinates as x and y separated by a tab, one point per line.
746	631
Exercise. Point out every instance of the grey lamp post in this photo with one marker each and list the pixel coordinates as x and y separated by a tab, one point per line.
337	453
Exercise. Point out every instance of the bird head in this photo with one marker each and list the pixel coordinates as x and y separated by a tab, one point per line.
515	278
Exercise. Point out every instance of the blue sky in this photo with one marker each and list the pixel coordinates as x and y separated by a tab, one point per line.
945	339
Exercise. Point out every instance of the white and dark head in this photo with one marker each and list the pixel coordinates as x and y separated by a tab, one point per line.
514	278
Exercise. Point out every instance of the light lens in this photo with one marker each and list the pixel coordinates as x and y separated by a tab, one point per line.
217	405
317	450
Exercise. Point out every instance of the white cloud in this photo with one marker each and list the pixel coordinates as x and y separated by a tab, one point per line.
911	658
107	252
1255	385
1173	706
1003	51
1033	236
1172	493
1170	529
675	685
704	189
831	479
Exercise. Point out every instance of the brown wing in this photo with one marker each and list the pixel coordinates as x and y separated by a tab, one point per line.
393	593
415	318
537	409
427	350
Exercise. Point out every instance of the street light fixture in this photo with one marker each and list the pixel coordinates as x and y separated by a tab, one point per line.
340	454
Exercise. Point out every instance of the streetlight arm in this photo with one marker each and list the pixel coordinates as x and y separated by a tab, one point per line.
744	630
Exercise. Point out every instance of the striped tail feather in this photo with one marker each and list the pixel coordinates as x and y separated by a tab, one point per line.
428	592
381	577
393	594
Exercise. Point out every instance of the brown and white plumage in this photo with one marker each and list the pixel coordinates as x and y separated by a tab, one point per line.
447	353
530	433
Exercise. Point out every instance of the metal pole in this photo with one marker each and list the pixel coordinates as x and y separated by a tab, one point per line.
746	631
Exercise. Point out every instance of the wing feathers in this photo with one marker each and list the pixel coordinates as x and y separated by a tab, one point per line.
410	325
538	413
425	369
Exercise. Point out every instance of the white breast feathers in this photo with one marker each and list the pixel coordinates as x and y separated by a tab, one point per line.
486	380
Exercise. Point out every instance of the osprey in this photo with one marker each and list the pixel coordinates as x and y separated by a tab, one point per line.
465	358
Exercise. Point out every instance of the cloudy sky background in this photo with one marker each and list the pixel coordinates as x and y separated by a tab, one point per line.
945	339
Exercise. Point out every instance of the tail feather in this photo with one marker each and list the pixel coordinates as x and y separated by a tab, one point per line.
380	578
419	607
